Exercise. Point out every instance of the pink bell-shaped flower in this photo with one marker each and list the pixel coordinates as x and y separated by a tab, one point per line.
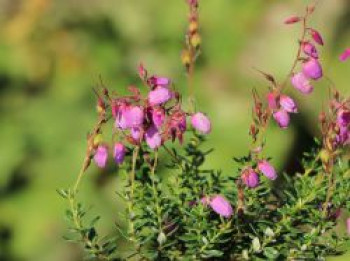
119	153
267	169
288	104
282	118
159	95
201	123
250	178
302	83
153	137
312	69
101	156
221	206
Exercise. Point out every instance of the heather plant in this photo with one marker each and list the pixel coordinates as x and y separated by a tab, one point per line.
198	213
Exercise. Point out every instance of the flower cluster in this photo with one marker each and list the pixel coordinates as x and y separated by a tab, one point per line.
199	214
250	175
154	119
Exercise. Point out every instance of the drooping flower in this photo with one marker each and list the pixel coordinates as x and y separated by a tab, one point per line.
134	116
316	36
288	104
348	225
343	137
153	137
101	156
250	178
343	117
136	133
221	206
159	95
272	100
159	81
129	116
176	126
267	169
282	118
312	69
158	117
345	55
302	83
310	50
201	123
119	152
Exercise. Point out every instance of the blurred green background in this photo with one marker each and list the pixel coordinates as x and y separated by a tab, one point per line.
52	53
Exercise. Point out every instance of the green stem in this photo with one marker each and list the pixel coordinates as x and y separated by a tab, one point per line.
132	188
155	193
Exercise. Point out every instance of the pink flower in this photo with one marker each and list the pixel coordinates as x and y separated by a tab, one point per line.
136	133
288	104
272	100
343	117
282	118
348	225
310	50
129	116
201	123
250	178
135	116
345	55
158	117
316	36
267	169
312	69
302	83
101	156
343	137
119	153
153	137
221	206
159	95
162	81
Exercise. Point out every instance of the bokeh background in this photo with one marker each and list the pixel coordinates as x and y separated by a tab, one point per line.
52	53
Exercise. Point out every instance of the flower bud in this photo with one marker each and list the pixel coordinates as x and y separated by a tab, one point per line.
119	153
312	69
142	71
282	118
272	100
267	169
345	55
195	40
193	27
101	156
159	95
250	178
153	137
316	36
201	123
302	83
221	206
292	20
288	104
185	57
98	140
310	50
